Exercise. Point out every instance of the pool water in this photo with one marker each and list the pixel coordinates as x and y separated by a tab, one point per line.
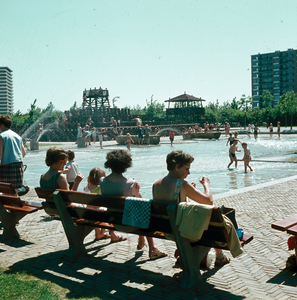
211	159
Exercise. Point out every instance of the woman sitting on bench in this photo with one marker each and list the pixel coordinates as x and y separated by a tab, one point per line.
56	159
116	184
175	188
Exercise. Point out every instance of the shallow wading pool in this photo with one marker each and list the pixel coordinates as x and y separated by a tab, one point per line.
211	159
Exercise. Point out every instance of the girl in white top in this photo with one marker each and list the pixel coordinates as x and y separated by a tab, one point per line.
94	187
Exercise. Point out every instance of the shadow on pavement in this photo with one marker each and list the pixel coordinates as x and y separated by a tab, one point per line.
99	277
285	277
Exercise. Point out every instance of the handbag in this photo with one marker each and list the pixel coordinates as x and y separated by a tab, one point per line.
230	213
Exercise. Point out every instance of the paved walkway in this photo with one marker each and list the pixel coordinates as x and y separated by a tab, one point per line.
118	271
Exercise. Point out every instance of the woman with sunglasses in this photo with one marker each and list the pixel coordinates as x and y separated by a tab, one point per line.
56	159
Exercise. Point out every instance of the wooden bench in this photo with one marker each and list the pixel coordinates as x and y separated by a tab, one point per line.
289	225
13	209
79	220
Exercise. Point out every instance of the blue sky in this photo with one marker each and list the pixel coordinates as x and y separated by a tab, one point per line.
137	49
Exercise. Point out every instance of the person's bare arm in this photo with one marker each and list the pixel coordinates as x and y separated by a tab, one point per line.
23	151
135	190
65	171
194	194
78	178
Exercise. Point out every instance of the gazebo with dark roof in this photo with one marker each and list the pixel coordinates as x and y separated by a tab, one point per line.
186	106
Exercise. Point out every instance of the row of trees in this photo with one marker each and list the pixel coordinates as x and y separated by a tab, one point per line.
238	111
242	111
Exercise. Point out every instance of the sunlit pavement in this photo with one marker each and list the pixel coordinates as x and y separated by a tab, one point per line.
119	271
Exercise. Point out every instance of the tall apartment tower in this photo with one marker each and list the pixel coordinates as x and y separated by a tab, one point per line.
275	72
6	92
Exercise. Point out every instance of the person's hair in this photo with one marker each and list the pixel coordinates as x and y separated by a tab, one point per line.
178	157
55	154
71	155
6	121
118	161
244	144
95	175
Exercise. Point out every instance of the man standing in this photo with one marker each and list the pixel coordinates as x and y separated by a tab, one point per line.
147	131
140	135
12	152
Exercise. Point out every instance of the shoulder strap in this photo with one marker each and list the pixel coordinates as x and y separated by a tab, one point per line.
176	196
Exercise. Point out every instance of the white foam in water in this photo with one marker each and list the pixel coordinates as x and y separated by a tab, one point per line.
211	159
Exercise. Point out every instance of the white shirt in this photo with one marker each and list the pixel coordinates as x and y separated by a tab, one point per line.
73	170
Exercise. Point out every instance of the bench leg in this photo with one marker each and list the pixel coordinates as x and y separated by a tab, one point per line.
191	257
9	220
74	233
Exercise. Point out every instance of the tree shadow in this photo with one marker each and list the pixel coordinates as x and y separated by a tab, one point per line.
103	277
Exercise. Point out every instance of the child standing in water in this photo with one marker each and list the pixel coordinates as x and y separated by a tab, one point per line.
128	141
230	139
256	131
247	157
171	136
278	129
249	131
232	150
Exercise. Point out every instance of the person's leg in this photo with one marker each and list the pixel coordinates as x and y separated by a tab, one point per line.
154	252
231	161
235	158
100	234
245	166
221	258
248	164
116	237
141	242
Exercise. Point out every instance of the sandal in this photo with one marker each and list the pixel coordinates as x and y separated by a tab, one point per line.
222	261
141	245
121	239
156	254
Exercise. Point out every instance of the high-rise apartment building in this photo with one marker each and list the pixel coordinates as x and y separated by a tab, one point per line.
6	92
275	72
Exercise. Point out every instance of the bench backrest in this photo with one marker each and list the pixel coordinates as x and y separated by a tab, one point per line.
7	188
9	196
114	203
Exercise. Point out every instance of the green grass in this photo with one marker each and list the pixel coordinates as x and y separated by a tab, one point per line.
21	286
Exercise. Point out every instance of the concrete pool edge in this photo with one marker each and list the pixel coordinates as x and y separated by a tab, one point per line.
253	187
